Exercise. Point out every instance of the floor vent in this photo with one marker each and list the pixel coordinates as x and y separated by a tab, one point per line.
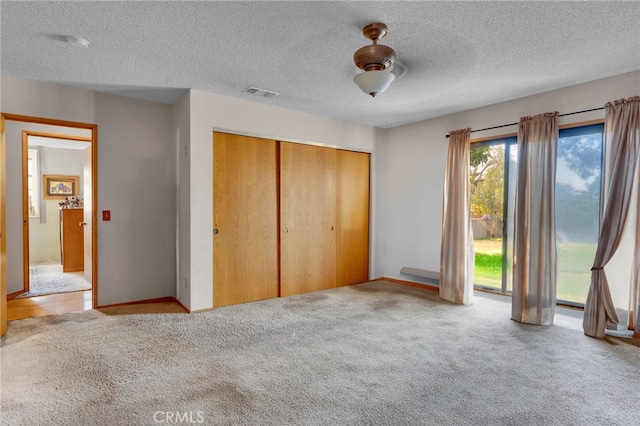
261	92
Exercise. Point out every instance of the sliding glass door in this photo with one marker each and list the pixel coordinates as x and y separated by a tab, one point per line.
578	186
492	165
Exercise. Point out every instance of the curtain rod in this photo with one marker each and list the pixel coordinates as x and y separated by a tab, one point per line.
513	124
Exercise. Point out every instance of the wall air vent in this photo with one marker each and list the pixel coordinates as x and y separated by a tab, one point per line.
261	92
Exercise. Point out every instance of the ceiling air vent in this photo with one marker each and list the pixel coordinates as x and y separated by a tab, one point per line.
261	92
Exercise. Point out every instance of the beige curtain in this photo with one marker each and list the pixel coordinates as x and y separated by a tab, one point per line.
634	302
457	254
535	252
622	137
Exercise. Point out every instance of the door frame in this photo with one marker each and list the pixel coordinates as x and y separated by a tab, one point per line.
94	202
26	244
3	231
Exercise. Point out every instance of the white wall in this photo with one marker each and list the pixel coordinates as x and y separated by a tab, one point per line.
181	131
213	112
410	167
136	181
44	236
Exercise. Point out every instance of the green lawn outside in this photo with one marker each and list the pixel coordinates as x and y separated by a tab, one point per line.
488	270
488	265
574	267
574	271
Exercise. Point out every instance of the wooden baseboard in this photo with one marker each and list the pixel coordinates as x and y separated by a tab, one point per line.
169	299
16	294
182	306
410	283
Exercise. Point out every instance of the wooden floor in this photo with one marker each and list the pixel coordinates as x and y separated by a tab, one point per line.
62	303
52	304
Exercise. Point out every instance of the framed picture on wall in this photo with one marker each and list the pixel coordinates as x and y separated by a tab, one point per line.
55	186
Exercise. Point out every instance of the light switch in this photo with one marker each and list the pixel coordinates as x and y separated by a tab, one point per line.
106	215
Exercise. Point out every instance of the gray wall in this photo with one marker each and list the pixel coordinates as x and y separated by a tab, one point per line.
136	181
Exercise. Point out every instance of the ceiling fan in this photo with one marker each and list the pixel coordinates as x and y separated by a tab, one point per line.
375	60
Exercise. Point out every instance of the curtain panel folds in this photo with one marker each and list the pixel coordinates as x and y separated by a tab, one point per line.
457	254
535	249
622	137
634	302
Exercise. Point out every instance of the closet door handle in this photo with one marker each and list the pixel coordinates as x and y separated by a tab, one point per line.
285	230
215	231
332	228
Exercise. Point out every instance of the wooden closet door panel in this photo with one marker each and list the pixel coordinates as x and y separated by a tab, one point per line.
307	218
352	202
246	217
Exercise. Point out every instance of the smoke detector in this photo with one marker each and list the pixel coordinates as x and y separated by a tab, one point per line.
76	41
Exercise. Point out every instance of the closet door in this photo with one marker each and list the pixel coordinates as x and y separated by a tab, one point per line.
352	204
307	218
245	217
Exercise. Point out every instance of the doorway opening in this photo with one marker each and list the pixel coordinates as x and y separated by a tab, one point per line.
55	188
56	178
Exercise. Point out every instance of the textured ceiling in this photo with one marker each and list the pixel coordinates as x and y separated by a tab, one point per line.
458	55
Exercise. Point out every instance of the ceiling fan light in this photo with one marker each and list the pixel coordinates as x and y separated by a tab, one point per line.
374	82
376	60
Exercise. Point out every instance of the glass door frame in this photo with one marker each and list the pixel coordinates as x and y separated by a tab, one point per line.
582	129
507	141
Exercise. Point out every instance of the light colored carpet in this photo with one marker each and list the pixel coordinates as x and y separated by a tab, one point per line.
49	279
372	354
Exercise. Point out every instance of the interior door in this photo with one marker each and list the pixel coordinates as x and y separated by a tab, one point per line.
307	218
245	217
25	212
352	170
87	215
